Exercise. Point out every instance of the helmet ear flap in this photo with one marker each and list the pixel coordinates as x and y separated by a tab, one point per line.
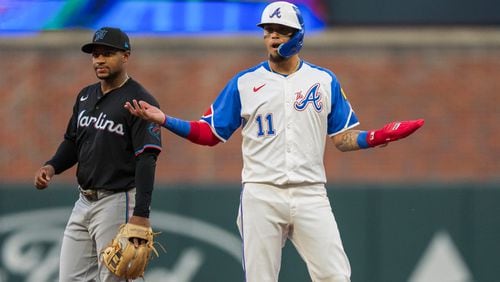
293	46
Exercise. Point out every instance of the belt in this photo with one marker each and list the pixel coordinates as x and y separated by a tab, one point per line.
97	194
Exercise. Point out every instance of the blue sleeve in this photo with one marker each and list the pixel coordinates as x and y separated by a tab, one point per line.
342	116
178	126
224	115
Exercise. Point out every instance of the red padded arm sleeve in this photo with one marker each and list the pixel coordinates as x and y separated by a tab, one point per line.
202	134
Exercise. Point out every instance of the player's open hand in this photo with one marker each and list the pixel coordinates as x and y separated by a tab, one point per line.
43	176
145	111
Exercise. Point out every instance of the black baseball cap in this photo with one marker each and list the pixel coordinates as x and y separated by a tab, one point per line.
108	36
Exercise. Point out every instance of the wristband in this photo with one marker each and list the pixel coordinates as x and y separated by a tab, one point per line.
177	126
362	140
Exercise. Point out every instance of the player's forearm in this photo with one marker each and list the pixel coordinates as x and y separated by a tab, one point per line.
347	141
65	157
195	131
178	126
144	182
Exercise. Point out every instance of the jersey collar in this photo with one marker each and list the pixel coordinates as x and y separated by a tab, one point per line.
268	68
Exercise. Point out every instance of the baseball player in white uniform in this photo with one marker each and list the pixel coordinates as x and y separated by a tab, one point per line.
286	107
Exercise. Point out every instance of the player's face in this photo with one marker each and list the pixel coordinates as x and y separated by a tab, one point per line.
108	62
274	36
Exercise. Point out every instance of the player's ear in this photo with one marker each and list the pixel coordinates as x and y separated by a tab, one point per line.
125	56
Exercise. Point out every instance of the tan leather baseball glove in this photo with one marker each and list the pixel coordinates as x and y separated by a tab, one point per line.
126	259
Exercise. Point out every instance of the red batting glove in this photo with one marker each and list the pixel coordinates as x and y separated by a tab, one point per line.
393	131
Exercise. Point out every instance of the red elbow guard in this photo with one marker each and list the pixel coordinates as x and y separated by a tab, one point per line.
201	133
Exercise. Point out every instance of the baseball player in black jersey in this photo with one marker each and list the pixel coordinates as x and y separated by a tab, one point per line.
116	154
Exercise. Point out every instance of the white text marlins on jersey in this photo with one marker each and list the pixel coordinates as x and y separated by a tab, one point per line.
100	123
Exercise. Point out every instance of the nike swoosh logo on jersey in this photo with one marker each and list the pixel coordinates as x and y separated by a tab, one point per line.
84	98
255	89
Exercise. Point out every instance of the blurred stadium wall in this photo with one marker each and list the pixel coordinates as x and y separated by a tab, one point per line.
437	60
449	76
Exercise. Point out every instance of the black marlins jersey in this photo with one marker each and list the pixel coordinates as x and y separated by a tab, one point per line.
108	137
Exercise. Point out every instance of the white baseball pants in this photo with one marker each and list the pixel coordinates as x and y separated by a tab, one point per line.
269	214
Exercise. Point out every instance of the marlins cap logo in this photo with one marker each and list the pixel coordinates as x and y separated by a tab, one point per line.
276	13
99	35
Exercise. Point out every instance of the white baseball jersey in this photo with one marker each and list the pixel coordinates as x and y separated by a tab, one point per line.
285	121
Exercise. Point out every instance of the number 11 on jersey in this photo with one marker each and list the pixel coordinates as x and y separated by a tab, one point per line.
268	123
